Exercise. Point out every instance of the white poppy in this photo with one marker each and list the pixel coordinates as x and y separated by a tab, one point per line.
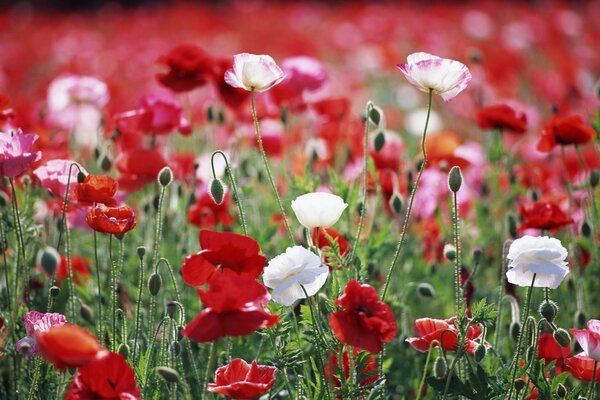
254	72
318	209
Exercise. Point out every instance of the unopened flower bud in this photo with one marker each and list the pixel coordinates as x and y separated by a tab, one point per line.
535	196
520	384
141	251
450	252
80	177
586	229
562	337
165	176
594	178
561	391
455	179
477	255
105	163
515	330
86	313
48	259
154	283
480	353
54	291
375	114
425	290
548	310
171	308
396	203
379	141
580	319
168	374
4	201
439	368
123	350
216	190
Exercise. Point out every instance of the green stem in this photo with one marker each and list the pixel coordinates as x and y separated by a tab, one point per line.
455	221
425	369
268	169
209	365
591	393
504	262
36	378
137	312
98	284
155	249
410	202
238	199
20	240
450	373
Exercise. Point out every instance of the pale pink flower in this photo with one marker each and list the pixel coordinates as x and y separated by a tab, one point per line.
16	153
54	176
589	339
254	72
428	72
36	322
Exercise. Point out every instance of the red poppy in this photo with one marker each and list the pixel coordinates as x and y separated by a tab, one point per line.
96	189
444	332
115	220
332	109
365	321
234	308
232	97
205	213
542	215
581	367
365	375
139	167
240	380
81	273
220	251
564	131
326	237
108	376
6	113
188	68
67	346
549	350
501	116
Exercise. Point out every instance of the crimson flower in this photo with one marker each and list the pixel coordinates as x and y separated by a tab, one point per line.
501	116
549	350
205	213
365	375
240	380
542	215
188	68
139	167
115	220
96	189
365	321
324	240
564	131
220	251
444	332
581	367
108	376
79	265
234	308
6	112
67	346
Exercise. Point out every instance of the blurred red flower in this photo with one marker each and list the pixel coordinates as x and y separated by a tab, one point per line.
549	350
188	68
6	113
67	346
231	96
115	220
234	308
365	321
324	240
564	131
205	213
81	273
542	215
240	380
108	376
96	189
220	251
444	332
581	367
139	167
503	117
365	375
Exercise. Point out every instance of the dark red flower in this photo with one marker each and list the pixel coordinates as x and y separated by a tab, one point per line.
564	131
326	237
240	380
139	167
234	308
365	321
108	376
67	346
501	116
581	367
549	350
542	215
205	213
470	289
232	97
188	68
96	189
365	375
444	332
115	220
220	251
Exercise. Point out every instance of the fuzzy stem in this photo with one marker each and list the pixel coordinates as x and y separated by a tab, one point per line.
155	249
458	288
425	371
238	200
137	312
98	284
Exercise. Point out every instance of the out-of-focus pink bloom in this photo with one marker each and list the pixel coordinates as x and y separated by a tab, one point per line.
303	74
36	322
441	75
54	176
155	115
589	339
16	153
254	72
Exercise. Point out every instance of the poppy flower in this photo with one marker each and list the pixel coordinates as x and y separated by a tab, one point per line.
364	321
325	237
96	189
233	97
79	265
542	215
67	346
549	350
156	115
503	117
115	220
139	167
223	251
16	153
444	332
36	322
318	209
564	131
240	380
205	213
234	308
441	75
108	376
188	68
254	72
366	375
589	339
581	367
54	176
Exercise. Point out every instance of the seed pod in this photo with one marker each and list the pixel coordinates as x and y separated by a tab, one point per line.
154	283
123	350
141	251
455	179
439	368
168	374
216	190
171	308
562	337
165	176
515	330
548	310
379	141
425	290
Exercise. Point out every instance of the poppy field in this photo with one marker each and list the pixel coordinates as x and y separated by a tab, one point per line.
273	200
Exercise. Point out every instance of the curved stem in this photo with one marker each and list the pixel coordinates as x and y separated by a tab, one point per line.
238	199
410	202
268	169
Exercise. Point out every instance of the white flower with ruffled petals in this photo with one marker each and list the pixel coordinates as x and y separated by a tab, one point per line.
540	255
318	209
293	270
254	72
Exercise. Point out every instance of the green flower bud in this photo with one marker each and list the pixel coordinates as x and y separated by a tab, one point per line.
49	259
168	374
87	313
375	115
594	178
4	201
561	391
105	163
515	330
210	114
520	384
439	368
512	227
175	348
586	229
123	350
154	283
217	190
80	177
425	290
548	310
141	251
580	319
450	252
477	255
455	179
165	176
54	291
171	308
379	141
562	337
396	203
